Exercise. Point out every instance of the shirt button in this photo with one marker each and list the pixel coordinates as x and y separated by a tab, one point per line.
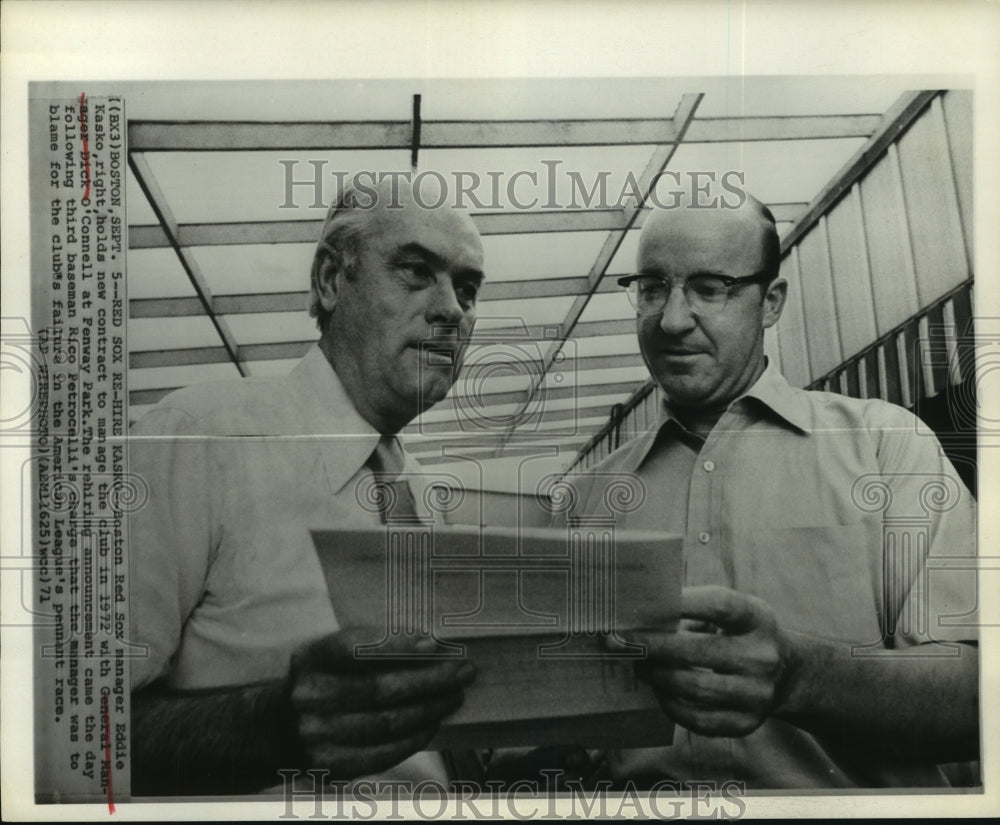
704	538
709	466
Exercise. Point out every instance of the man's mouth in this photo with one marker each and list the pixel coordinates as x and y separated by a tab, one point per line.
439	355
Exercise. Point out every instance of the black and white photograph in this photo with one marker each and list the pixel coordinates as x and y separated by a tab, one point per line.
431	442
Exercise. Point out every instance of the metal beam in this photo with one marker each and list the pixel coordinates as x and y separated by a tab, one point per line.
539	332
224	305
682	118
298	301
530	449
189	356
462	442
218	136
488	223
626	388
555	393
415	128
235	136
808	127
158	202
308	231
896	121
580	412
217	355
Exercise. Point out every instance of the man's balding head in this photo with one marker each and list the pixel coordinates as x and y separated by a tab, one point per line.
731	233
704	359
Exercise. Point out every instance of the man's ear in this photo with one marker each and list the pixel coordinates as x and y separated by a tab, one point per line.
774	301
329	272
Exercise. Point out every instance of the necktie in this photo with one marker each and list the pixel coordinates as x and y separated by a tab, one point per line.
398	508
395	498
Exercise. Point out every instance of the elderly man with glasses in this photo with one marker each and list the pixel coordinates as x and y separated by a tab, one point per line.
814	649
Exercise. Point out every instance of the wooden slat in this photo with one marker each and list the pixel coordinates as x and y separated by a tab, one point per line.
555	393
164	307
138	398
870	361
657	164
934	349
308	231
209	136
483	444
625	388
567	447
890	260
951	334
802	127
894	123
263	302
818	300
488	223
849	382
888	373
852	284
861	368
158	202
939	255
909	365
216	355
957	105
565	419
581	330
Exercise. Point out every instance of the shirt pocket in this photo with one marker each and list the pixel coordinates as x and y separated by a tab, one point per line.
818	580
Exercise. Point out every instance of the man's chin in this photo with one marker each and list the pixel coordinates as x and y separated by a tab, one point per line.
434	390
684	394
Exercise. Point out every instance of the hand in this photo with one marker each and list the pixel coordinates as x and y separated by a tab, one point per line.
722	672
355	716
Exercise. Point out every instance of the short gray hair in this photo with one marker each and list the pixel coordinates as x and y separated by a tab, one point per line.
772	244
342	241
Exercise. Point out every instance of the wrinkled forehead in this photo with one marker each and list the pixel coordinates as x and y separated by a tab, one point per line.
686	240
408	216
449	234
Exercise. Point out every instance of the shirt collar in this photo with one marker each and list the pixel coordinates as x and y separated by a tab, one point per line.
792	404
771	389
326	410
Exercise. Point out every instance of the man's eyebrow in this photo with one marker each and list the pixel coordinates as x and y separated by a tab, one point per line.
659	273
414	248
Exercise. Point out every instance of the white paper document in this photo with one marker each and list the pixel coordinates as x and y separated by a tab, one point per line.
538	611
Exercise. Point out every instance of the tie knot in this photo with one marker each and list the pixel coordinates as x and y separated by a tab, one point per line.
395	498
387	458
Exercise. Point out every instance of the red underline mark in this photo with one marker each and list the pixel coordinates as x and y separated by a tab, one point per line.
86	145
106	716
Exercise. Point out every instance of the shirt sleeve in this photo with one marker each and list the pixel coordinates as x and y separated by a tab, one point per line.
929	536
171	538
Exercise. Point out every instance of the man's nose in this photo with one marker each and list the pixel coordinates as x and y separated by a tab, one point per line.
677	316
443	306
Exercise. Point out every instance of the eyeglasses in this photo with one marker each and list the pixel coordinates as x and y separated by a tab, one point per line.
705	294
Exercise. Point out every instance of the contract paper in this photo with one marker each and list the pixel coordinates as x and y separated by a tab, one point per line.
540	612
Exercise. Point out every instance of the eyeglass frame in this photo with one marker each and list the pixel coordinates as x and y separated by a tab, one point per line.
730	283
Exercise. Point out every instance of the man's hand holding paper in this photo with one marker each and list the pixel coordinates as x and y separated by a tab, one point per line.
355	715
720	674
